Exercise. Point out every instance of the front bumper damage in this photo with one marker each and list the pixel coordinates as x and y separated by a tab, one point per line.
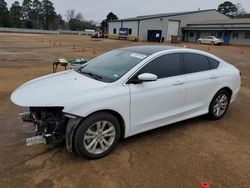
49	122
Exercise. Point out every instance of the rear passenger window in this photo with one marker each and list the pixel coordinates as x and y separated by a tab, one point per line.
213	63
164	66
195	63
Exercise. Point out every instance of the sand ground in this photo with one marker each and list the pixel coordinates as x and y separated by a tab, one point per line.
179	155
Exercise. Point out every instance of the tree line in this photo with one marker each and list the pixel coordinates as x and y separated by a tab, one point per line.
36	14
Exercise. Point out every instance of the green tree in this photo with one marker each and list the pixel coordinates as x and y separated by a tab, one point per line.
26	13
16	15
49	14
228	8
4	14
36	14
104	24
59	23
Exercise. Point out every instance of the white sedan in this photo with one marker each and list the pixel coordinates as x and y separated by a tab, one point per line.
210	40
125	92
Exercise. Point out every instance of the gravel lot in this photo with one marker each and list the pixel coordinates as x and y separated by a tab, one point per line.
179	155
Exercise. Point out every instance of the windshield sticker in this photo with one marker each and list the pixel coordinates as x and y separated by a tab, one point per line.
140	56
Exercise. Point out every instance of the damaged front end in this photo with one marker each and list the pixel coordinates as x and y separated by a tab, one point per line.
50	125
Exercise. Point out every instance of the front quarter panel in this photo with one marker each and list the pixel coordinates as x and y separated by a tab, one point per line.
115	98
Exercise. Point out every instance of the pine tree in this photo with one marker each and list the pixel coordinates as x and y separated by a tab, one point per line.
49	14
4	14
16	15
36	15
26	13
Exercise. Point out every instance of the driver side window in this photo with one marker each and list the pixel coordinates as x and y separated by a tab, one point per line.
163	66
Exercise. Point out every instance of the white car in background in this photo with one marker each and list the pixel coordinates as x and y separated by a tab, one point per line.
210	40
125	92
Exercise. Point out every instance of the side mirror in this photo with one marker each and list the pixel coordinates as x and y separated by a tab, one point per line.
147	77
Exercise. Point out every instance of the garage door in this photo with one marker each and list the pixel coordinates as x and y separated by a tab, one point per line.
173	29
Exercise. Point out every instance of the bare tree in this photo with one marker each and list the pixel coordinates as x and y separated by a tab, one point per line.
71	14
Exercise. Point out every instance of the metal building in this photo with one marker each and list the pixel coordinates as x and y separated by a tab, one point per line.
160	27
231	31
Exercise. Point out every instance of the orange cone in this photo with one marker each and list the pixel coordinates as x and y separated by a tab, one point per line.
204	185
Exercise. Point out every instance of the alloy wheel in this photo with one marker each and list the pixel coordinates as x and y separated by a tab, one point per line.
220	105
99	137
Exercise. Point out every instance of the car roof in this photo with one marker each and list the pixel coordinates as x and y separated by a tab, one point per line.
149	49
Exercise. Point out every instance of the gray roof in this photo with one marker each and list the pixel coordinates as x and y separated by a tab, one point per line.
222	22
146	17
149	49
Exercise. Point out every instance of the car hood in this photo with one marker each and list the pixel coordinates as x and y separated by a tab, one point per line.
55	89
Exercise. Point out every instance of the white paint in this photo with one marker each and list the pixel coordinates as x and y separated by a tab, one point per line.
143	106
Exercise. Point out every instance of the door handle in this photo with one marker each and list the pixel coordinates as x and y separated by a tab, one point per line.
213	77
178	83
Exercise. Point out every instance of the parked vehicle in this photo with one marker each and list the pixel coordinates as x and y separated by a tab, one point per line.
210	40
88	32
125	92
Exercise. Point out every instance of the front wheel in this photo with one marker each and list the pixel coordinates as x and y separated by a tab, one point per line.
219	105
97	135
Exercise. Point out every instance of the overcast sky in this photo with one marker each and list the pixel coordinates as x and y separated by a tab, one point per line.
98	9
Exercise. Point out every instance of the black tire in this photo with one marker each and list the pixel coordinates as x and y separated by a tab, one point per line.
198	42
85	125
212	43
211	114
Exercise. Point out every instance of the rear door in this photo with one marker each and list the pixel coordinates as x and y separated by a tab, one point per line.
201	82
155	103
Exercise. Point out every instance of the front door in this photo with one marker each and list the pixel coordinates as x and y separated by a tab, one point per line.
155	103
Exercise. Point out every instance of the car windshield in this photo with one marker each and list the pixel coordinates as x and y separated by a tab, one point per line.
111	66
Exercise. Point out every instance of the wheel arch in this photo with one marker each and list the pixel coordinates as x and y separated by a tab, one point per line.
117	115
228	89
73	124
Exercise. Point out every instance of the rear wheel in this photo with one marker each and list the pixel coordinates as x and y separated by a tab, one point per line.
212	43
97	135
219	105
199	42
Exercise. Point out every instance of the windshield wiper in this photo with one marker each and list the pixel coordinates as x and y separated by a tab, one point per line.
97	77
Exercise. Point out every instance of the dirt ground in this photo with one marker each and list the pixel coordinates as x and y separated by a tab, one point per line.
179	155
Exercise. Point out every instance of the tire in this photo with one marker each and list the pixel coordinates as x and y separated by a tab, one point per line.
218	106
212	43
198	42
91	142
